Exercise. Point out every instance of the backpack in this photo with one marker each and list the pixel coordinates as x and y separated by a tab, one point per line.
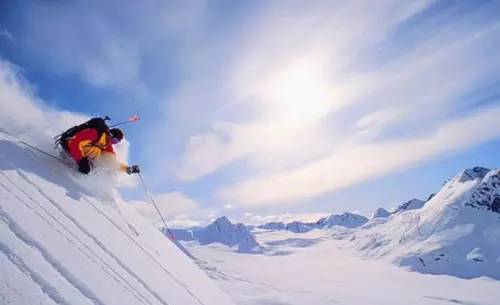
97	123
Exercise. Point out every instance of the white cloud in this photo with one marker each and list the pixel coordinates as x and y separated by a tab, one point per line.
106	45
169	204
283	217
183	221
24	115
353	162
307	98
7	35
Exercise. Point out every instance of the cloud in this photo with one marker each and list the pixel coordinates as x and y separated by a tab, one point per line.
284	217
290	77
24	115
106	45
183	221
354	162
169	204
7	35
306	98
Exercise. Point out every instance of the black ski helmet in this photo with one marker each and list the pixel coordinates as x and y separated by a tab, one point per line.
116	133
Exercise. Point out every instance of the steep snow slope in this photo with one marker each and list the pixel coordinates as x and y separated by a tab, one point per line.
224	232
456	232
60	244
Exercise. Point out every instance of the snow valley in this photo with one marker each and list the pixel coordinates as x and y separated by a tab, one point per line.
445	249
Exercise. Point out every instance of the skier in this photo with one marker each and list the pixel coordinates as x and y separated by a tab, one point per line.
91	140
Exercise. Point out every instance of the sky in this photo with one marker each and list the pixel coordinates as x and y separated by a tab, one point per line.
264	110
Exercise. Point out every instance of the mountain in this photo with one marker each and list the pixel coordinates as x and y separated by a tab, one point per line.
273	225
381	213
347	220
224	232
457	232
70	239
409	205
300	227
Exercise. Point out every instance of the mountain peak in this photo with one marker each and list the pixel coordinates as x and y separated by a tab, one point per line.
472	174
381	213
412	204
346	219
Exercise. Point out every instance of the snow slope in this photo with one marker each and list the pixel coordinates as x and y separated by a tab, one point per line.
59	244
456	232
311	268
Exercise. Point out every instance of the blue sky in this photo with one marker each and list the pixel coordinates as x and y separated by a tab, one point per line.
256	109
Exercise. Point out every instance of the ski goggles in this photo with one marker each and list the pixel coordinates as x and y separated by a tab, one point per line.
115	140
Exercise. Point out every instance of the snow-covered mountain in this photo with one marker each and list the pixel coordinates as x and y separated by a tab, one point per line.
273	225
381	213
60	243
347	220
456	232
224	232
409	205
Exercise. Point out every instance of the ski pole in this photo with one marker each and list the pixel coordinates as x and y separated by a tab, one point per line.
146	190
131	119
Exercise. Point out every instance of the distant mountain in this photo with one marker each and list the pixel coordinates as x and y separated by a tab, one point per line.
456	232
409	205
224	232
381	213
300	227
273	226
347	220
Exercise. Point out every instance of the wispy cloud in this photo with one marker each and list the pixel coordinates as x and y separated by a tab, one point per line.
106	44
284	217
24	115
170	205
312	95
7	35
354	162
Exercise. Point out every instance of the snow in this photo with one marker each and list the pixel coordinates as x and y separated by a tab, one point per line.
381	213
61	244
456	225
409	205
273	225
312	268
452	242
224	232
347	220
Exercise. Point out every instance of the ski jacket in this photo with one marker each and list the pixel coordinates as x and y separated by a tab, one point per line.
90	143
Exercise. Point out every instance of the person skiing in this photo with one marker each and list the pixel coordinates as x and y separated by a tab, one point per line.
91	140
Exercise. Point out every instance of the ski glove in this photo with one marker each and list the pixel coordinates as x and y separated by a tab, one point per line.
134	169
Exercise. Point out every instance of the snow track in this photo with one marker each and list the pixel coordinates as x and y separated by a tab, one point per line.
70	248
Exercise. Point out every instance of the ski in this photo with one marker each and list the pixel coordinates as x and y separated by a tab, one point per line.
46	153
